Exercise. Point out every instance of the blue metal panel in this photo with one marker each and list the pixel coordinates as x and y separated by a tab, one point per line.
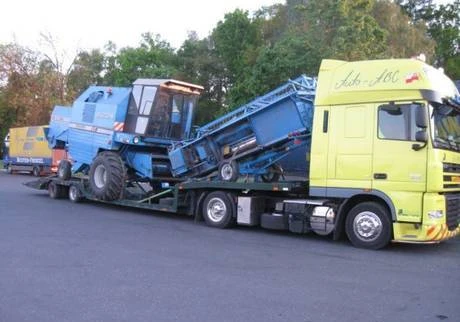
255	135
141	162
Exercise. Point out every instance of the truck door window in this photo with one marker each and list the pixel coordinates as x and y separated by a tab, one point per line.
397	122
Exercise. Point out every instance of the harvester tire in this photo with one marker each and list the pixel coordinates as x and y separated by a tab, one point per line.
107	176
228	171
64	170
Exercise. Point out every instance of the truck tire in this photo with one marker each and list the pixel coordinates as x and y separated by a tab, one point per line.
228	171
64	170
55	190
36	171
368	225
107	176
75	194
218	210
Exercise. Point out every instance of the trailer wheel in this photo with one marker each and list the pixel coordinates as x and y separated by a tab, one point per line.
107	176
75	194
368	225
55	191
228	171
273	174
64	170
36	171
218	210
9	169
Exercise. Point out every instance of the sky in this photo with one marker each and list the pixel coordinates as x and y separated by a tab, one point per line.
84	24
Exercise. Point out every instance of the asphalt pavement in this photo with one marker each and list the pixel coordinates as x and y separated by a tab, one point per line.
91	262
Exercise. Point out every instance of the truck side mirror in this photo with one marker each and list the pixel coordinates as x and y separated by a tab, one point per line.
421	117
421	136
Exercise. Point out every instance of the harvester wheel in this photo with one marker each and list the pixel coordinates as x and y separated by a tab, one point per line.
273	174
64	170
228	171
107	176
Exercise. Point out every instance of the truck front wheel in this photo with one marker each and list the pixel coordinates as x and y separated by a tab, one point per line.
218	210
107	176
368	225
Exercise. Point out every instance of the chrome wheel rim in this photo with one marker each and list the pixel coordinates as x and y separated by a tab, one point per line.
226	171
367	226
216	210
100	176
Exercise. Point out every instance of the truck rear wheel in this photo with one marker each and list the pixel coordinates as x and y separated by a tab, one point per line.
368	225
107	176
218	210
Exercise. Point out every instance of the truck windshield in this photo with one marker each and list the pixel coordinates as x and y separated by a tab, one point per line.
445	126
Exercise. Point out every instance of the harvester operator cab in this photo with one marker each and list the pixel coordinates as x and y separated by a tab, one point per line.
162	108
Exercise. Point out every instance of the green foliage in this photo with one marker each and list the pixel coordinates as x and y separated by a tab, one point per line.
154	58
245	56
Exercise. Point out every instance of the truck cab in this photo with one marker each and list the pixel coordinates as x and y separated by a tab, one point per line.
387	132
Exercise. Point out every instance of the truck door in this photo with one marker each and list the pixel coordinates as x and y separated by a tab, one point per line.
350	147
398	170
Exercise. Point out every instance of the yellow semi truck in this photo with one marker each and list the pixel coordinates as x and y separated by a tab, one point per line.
384	164
27	150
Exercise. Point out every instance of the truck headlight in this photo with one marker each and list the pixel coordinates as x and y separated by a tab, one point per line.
435	214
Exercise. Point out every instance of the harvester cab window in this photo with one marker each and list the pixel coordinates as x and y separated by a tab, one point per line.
147	100
397	122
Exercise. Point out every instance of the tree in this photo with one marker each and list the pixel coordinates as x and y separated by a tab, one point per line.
404	38
154	58
87	70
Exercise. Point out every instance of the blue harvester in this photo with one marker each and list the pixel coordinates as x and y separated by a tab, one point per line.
116	134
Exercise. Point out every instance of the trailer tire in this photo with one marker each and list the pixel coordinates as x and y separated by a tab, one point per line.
218	210
9	169
55	191
228	171
36	171
107	176
368	225
64	170
75	194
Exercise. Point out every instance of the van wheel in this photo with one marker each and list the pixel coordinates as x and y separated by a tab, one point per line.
36	171
368	225
75	194
218	210
107	176
64	170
